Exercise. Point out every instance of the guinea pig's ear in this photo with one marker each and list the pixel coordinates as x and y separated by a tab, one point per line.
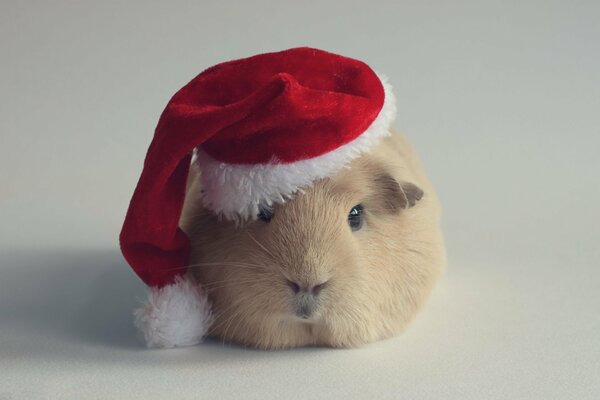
394	196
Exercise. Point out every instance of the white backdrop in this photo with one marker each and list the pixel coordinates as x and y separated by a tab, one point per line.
501	99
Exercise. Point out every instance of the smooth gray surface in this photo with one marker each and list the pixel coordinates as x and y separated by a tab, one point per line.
501	100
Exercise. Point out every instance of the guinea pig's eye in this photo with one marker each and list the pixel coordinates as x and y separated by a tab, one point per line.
355	217
265	213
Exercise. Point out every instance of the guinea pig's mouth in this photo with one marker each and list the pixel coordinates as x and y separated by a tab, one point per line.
304	315
303	319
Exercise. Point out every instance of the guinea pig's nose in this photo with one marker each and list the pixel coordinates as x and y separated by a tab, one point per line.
294	286
310	289
317	288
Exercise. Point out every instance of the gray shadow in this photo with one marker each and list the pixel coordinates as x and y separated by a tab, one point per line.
87	295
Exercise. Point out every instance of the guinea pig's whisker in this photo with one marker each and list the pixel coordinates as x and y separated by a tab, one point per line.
247	266
226	283
250	303
221	314
230	281
260	244
228	320
416	241
253	305
413	250
352	316
226	264
220	285
248	299
215	264
244	267
237	325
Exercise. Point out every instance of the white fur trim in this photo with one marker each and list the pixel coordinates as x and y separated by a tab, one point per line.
175	315
236	191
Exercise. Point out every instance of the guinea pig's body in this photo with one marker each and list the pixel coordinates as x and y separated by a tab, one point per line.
303	275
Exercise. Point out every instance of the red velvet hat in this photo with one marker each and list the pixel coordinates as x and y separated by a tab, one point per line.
262	128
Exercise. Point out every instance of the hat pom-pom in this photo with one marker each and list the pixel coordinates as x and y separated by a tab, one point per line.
175	315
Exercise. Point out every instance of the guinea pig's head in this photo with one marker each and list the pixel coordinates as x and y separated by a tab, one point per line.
345	262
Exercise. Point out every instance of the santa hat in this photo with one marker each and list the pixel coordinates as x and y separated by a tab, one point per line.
262	128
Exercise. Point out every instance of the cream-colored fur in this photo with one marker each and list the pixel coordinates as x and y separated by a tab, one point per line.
377	277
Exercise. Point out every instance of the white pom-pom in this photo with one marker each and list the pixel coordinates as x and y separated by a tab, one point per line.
175	315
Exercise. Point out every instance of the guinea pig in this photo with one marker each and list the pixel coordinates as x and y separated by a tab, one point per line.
348	261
